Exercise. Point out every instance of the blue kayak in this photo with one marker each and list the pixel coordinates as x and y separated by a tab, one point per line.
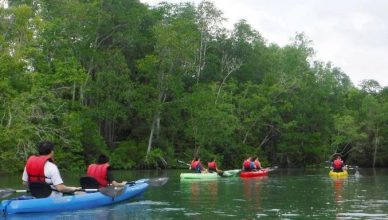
73	202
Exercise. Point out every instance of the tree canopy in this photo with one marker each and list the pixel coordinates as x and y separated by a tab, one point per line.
149	85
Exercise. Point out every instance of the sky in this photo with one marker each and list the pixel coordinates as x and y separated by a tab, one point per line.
351	34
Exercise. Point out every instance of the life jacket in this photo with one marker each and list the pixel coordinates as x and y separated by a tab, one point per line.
99	172
195	165
247	165
337	164
212	166
35	168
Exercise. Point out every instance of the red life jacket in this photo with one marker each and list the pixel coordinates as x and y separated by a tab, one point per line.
212	165
99	172
194	164
247	164
337	164
35	168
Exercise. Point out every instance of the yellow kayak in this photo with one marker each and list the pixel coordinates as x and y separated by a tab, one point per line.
338	174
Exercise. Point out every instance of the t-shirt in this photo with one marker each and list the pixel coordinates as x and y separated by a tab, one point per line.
54	177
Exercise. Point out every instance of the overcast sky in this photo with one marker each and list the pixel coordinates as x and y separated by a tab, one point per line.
352	34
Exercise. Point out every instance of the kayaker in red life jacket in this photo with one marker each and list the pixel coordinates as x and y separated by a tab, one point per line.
338	165
212	166
196	165
257	163
249	164
41	168
102	173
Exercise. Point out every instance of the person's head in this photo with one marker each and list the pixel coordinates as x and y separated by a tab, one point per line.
253	158
102	159
196	158
212	159
338	157
45	148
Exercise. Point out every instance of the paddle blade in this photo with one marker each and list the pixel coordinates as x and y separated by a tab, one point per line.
158	181
272	168
112	191
6	192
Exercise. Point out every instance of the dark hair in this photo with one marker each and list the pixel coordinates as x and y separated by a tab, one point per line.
212	159
45	148
253	158
102	159
196	158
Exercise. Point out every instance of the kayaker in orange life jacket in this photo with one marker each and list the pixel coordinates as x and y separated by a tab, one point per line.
212	166
257	163
102	173
42	168
248	164
196	165
338	165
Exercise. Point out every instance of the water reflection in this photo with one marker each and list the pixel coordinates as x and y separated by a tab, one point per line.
200	189
338	185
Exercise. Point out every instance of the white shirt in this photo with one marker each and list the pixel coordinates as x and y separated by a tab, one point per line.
53	176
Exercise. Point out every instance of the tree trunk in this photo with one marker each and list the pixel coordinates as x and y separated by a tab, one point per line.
150	138
375	148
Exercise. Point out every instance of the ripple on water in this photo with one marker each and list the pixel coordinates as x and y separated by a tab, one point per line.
149	202
352	214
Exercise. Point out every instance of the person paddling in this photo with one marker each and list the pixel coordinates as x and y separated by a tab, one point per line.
249	165
102	173
338	165
196	165
212	166
42	169
257	163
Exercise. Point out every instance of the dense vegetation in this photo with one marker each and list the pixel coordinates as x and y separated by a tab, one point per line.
152	84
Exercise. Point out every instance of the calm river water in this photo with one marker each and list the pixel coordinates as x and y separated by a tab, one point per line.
284	194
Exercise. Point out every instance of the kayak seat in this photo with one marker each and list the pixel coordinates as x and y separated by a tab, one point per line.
40	189
88	182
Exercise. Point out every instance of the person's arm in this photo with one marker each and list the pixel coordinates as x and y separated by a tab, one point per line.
57	181
109	176
66	189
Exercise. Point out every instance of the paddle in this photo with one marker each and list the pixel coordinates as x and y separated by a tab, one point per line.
272	168
184	163
110	191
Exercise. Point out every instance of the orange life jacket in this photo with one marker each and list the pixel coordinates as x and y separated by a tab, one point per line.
337	164
99	172
35	168
247	164
212	165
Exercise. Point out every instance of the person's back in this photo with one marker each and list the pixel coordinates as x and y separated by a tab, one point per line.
257	164
338	165
102	173
247	165
212	166
196	165
41	169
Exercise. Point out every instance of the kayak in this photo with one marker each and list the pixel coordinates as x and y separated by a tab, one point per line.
72	202
338	174
250	174
229	173
202	176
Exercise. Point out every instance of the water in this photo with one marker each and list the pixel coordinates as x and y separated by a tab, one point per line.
285	194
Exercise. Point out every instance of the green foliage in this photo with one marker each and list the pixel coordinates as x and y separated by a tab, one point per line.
127	154
150	84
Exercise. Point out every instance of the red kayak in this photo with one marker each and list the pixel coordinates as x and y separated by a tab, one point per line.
249	174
